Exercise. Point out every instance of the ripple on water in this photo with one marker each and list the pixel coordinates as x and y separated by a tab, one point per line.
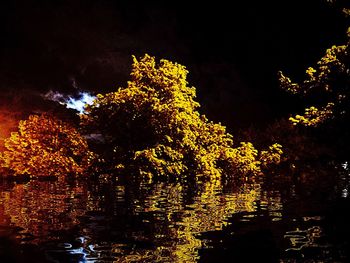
163	222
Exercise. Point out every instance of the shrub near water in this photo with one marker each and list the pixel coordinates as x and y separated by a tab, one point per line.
153	128
45	146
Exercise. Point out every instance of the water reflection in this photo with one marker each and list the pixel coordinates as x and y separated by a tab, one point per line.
151	222
114	220
179	223
42	208
303	238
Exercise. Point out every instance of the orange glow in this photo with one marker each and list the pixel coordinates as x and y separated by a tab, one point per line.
8	123
45	146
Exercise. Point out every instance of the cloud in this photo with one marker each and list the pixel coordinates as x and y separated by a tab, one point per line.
55	96
79	103
76	103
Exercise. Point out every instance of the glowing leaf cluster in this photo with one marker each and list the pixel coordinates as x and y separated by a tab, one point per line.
45	146
272	155
153	127
313	116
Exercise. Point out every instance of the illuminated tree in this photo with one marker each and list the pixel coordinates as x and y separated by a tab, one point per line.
153	127
45	146
327	85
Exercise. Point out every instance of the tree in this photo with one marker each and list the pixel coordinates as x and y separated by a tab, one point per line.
327	86
153	127
45	146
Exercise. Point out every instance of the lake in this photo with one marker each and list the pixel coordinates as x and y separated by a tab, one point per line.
298	215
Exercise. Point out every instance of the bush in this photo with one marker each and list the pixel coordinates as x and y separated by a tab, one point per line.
153	127
45	146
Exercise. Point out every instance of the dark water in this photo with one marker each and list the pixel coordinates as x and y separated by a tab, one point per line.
282	218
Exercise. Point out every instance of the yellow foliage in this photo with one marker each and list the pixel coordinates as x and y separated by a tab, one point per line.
272	155
287	84
45	146
313	116
329	81
243	159
153	127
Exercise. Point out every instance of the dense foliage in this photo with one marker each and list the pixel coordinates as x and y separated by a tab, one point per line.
153	127
45	146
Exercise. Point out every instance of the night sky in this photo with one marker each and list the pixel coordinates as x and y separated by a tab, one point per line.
233	52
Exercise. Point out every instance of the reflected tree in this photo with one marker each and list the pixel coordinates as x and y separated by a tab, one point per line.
176	224
42	208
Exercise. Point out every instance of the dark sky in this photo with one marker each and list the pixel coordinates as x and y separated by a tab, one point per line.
232	50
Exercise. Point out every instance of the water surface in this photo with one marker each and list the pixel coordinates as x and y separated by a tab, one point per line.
113	220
